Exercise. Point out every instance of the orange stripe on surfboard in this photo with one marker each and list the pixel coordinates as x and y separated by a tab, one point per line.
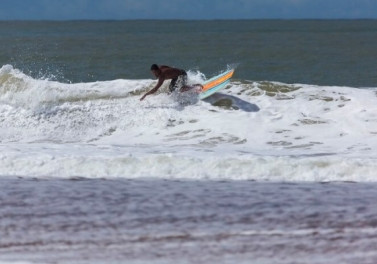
218	81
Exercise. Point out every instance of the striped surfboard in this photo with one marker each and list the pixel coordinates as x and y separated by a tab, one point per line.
215	84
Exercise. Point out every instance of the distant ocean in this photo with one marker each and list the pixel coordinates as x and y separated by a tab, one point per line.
279	167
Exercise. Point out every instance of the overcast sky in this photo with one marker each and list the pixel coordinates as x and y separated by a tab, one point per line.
185	9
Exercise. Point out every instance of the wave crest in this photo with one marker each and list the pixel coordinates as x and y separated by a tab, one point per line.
20	90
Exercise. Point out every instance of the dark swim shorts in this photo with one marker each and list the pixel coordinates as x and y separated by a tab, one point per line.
179	82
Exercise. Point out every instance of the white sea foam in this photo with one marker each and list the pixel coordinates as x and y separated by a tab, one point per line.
251	130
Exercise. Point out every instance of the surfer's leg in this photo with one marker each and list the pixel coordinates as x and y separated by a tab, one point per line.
182	82
172	85
185	88
198	88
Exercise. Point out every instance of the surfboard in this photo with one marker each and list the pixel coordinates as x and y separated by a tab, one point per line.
215	84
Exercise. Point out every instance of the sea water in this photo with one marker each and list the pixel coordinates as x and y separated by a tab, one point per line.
278	167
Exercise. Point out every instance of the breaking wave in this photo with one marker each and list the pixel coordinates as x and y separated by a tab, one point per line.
250	130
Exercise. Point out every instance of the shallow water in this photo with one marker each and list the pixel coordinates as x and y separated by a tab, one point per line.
165	221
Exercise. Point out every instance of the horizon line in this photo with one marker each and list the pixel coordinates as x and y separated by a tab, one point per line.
178	19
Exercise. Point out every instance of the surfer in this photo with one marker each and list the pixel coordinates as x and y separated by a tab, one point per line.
178	79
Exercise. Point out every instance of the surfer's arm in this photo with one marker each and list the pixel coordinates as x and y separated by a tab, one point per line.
158	85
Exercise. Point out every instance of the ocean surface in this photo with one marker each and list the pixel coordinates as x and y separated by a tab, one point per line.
278	167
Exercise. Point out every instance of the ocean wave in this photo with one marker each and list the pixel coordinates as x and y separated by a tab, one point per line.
72	162
253	118
20	90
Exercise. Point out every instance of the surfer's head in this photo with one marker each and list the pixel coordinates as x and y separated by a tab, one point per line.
155	70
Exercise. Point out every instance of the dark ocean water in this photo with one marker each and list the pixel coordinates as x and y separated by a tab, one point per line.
321	52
